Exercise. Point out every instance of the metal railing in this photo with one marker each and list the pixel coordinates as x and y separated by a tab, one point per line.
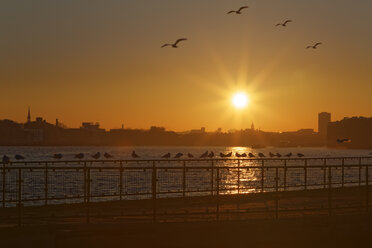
159	186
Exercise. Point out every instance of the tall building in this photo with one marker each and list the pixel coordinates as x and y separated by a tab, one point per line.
323	119
29	115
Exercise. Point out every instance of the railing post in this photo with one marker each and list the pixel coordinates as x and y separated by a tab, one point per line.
4	185
154	182
218	194
19	196
277	193
325	174
184	179
88	194
238	176
305	174
121	181
262	175
367	193
212	178
285	175
343	172
360	172
330	190
46	184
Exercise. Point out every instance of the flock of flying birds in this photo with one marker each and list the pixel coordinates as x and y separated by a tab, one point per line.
239	12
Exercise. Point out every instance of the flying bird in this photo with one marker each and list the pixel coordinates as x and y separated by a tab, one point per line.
174	45
57	156
167	155
178	155
239	11
6	159
97	155
190	155
284	24
314	46
107	155
19	157
79	156
134	155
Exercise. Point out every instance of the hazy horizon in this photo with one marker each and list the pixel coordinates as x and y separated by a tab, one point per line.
101	61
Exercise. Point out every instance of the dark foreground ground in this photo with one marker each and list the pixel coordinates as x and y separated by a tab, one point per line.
337	231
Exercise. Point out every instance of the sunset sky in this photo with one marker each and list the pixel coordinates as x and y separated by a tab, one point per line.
101	61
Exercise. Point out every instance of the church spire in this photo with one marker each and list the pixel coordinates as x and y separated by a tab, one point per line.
29	115
252	127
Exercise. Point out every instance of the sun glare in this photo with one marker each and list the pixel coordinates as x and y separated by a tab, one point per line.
240	100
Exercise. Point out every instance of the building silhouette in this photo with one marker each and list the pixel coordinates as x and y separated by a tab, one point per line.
323	119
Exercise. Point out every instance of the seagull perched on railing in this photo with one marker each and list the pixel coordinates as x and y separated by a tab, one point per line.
211	155
19	157
261	155
314	46
190	155
300	155
178	155
340	141
134	155
239	11
97	155
204	155
278	155
167	155
57	156
271	155
251	155
79	156
174	45
228	155
6	159
107	155
284	24
288	155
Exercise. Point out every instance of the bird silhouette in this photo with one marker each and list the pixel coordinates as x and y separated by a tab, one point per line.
238	155
222	155
167	155
107	155
134	155
243	155
57	156
314	46
288	155
271	155
251	155
97	155
178	155
190	155
204	155
211	155
6	159
278	155
340	141
284	24
19	157
239	11
174	45
79	156
300	155
261	155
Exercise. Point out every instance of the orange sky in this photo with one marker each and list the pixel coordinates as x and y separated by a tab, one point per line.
101	61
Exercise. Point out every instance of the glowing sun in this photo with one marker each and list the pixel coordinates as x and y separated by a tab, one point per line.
240	100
